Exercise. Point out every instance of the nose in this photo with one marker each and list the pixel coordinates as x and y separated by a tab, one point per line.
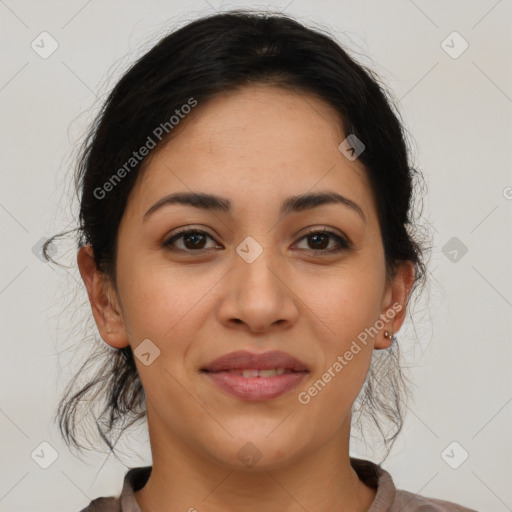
258	296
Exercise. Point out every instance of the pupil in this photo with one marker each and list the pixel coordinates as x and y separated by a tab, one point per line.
315	237
194	244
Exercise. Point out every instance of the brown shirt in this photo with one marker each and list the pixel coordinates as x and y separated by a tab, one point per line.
387	499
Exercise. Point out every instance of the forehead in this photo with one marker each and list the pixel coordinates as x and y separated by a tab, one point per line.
258	141
240	120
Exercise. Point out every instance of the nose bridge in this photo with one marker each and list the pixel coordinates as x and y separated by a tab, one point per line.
254	266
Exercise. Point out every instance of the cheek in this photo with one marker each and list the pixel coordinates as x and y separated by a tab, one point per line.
162	306
163	303
343	314
345	302
344	307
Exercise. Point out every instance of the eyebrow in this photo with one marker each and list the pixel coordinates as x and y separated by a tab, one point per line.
292	204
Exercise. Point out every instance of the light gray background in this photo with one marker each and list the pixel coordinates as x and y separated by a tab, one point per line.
458	111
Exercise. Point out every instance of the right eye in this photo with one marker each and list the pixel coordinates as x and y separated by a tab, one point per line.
193	240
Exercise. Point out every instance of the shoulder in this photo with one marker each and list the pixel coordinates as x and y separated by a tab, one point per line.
134	479
390	499
103	505
406	501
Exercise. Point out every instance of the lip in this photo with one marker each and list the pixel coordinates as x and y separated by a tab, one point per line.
242	360
256	388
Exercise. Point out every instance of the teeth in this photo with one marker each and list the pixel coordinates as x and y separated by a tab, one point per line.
263	373
250	373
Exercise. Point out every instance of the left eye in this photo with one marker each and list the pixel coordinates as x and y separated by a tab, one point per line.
320	240
194	241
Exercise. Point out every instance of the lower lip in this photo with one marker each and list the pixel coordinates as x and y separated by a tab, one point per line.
256	388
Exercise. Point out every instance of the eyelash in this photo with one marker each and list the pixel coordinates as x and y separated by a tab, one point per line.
344	243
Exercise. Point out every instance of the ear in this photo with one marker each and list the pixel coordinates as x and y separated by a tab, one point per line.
103	299
394	303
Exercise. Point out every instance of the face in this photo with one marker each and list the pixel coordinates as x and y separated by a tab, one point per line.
306	281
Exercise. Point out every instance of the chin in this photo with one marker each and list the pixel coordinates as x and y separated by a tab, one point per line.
257	453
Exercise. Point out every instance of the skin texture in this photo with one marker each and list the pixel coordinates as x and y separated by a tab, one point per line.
256	147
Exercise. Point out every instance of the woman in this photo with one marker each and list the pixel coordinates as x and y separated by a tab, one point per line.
247	248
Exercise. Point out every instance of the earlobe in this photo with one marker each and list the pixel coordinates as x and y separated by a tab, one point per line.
102	297
390	337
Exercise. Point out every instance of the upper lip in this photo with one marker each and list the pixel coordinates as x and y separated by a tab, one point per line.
242	360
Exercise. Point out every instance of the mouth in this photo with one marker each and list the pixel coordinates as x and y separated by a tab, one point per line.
256	372
256	377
